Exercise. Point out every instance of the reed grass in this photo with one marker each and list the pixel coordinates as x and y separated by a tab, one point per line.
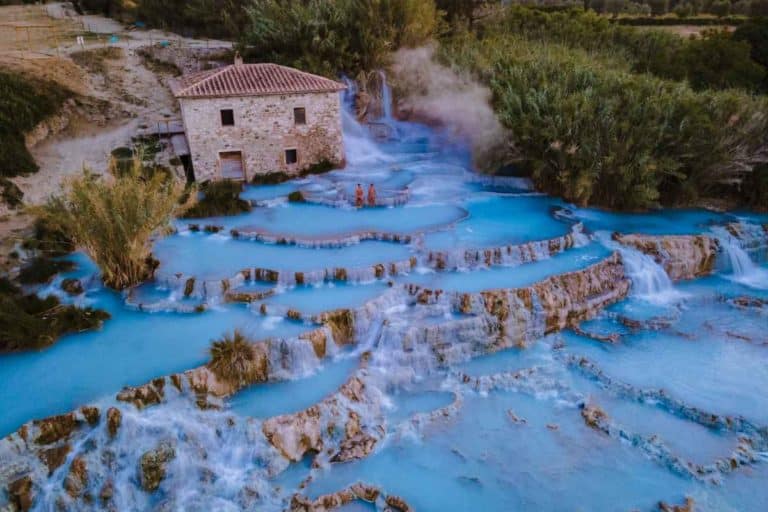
114	217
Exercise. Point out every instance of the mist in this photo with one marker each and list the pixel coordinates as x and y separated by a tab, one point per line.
438	95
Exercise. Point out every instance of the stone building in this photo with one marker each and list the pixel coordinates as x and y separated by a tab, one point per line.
243	120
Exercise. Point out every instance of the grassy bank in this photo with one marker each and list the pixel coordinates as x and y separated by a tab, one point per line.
24	103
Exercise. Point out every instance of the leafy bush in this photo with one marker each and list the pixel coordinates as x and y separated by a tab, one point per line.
296	197
42	270
714	60
212	18
595	133
234	360
49	239
755	32
28	322
756	188
114	219
332	36
10	193
24	103
219	198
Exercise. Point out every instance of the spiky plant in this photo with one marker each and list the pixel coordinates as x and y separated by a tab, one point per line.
114	217
233	359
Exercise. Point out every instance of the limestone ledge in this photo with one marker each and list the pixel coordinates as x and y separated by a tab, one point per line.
555	303
752	439
548	306
355	492
345	426
437	260
318	242
506	254
682	256
348	424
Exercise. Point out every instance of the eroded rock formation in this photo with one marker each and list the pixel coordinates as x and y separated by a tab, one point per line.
358	491
152	467
339	427
682	256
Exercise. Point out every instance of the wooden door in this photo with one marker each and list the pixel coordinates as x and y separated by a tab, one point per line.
232	165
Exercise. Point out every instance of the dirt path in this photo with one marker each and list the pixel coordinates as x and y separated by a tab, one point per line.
137	98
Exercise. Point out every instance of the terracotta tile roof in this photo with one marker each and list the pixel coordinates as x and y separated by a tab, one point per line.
251	80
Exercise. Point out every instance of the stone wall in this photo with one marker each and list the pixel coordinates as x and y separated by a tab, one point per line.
264	128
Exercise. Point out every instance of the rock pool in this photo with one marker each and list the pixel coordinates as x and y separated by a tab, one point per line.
469	345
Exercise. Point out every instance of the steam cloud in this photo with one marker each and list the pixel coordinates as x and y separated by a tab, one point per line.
438	95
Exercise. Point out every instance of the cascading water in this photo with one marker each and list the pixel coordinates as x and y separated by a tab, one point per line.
499	271
650	282
359	147
743	269
386	106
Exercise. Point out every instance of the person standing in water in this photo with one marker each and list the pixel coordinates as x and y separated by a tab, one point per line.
359	196
371	195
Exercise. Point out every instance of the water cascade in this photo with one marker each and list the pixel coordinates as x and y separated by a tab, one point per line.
463	345
734	239
650	281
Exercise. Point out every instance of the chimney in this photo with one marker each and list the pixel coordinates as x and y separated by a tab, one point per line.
238	59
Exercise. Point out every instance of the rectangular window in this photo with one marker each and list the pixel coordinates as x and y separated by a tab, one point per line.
227	117
300	115
291	156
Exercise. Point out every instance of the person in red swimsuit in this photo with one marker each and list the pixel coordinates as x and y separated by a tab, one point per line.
359	196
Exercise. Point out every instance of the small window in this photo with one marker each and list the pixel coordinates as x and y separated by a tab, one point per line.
227	117
291	156
300	115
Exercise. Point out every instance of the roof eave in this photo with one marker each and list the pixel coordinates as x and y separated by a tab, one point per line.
183	95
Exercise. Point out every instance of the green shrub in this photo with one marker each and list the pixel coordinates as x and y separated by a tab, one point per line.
122	153
49	239
595	133
712	60
234	360
756	188
28	322
219	198
320	167
41	270
271	178
24	103
10	193
114	219
296	197
332	36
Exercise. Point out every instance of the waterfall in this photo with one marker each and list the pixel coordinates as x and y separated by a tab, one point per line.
386	98
359	148
650	282
743	269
